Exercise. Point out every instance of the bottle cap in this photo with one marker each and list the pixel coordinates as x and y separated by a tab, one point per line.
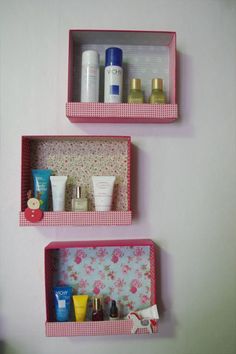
78	192
157	84
113	56
90	57
135	84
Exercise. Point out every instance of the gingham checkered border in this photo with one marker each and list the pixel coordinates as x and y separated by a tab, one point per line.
122	113
88	218
89	328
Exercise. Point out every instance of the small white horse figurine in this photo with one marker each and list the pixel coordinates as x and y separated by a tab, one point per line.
139	323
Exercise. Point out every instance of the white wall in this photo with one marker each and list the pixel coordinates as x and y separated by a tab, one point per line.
186	195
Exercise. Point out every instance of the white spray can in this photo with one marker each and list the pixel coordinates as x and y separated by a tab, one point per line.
113	76
90	76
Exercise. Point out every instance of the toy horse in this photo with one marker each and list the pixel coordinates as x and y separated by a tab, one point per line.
139	323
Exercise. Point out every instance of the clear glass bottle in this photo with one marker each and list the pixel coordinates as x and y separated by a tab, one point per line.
157	95
135	94
78	203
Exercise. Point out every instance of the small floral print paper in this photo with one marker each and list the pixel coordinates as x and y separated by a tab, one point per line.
119	273
81	158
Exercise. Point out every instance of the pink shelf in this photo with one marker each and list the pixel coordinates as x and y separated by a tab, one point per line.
90	218
138	256
104	328
79	158
146	54
79	112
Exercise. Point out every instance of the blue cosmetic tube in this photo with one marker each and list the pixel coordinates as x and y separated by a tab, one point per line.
41	186
62	300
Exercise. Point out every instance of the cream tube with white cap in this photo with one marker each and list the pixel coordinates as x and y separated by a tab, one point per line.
58	184
103	192
150	312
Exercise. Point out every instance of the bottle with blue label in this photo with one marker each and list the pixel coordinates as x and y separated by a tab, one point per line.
113	76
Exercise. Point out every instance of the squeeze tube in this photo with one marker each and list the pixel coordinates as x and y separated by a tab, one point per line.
41	187
58	192
62	300
150	312
103	191
80	306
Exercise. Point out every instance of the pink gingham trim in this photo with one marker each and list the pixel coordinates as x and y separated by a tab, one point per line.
123	112
88	218
100	328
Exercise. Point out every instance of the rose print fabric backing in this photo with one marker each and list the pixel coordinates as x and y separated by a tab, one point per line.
119	273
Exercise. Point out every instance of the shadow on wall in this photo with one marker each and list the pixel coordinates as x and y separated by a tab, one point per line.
184	79
2	347
167	328
140	175
134	182
6	349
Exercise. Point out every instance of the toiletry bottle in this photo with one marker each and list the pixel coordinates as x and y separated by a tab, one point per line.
78	203
90	76
113	76
97	313
113	311
135	94
157	95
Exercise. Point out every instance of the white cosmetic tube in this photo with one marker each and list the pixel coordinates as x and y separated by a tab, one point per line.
103	191
149	313
58	184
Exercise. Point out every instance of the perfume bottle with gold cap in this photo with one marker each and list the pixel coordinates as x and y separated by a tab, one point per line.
79	203
135	94
157	95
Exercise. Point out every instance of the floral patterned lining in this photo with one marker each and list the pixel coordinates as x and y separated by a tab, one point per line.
120	273
80	158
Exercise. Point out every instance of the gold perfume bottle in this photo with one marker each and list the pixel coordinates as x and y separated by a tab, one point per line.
78	203
157	95
135	94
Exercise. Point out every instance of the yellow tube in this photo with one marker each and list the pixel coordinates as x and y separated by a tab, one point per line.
80	306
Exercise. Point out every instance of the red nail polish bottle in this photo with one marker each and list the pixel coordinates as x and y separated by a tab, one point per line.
97	314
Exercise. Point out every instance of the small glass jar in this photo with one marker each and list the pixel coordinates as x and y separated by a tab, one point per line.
157	95
135	94
79	203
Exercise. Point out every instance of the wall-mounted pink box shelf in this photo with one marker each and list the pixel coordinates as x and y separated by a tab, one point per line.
79	158
146	54
123	270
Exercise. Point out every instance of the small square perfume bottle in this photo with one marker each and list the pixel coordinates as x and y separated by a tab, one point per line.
78	203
